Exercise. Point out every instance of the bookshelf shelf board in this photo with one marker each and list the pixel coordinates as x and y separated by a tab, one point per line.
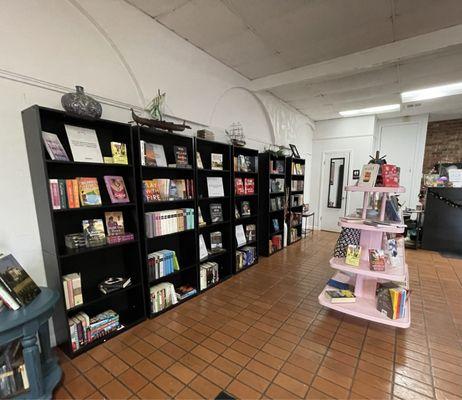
213	256
375	189
216	283
208	170
245	218
277	232
298	177
101	207
366	308
245	173
398	273
213	225
276	211
92	164
274	175
247	267
277	251
84	250
164	202
173	274
361	226
243	196
296	192
171	234
213	198
101	296
251	243
294	207
153	168
277	194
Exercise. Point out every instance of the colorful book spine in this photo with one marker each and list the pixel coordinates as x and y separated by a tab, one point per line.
54	193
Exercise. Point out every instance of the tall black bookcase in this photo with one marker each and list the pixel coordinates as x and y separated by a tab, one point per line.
250	170
295	175
272	193
183	242
94	264
205	203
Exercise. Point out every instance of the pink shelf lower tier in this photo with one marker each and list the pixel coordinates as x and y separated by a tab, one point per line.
391	273
377	189
365	308
361	226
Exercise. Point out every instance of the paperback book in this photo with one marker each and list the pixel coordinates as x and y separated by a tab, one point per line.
369	174
93	231
116	189
114	223
245	208
89	192
340	296
208	274
114	284
353	255
181	156
216	242
54	146
216	161
152	154
119	153
199	160
216	212
72	288
376	260
215	186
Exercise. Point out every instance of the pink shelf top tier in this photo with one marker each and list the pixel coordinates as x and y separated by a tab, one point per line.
391	273
359	225
399	189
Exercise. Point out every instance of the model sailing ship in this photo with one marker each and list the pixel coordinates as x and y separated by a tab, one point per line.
236	134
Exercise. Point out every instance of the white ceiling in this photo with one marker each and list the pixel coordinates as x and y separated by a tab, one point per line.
263	37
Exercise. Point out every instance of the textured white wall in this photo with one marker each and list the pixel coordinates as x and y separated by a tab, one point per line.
122	57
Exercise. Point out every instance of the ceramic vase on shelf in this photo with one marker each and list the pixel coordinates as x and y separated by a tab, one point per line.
81	105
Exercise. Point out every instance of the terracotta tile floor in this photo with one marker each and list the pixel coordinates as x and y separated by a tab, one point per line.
263	334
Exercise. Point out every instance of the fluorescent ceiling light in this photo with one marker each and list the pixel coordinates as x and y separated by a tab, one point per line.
432	92
371	110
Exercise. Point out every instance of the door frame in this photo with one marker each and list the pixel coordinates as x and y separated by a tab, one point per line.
320	189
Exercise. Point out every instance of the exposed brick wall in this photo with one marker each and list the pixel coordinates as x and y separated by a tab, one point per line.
444	143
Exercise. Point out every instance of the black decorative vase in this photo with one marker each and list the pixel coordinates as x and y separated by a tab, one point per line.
81	105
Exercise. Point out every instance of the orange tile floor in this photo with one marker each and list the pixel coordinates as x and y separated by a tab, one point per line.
262	334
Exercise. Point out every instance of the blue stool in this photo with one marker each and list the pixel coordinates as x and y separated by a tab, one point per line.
42	367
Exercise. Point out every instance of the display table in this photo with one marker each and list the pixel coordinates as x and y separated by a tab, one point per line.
42	367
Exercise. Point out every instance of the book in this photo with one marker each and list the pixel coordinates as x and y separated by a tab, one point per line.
113	284
203	252
200	217
162	263
199	161
16	281
119	153
54	146
376	260
238	186
240	235
369	174
208	274
116	189
185	291
249	185
89	192
54	194
216	212
275	224
215	186
84	144
114	223
353	255
72	288
390	175
236	212
13	374
93	231
165	222
216	161
251	232
340	296
181	156
216	243
245	257
154	155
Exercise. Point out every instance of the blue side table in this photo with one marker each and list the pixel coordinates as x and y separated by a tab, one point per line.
42	367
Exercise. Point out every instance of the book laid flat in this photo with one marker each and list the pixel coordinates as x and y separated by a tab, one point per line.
84	144
340	296
54	146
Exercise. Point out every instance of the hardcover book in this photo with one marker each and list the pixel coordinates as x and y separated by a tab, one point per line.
390	175
238	186
114	223
353	255
181	156
54	146
240	235
369	175
216	212
377	260
89	192
16	281
251	232
116	189
236	212
275	224
217	161
119	153
203	253
249	185
93	231
216	243
245	208
200	217
84	144
154	155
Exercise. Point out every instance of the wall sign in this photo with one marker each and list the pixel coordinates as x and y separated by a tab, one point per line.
356	174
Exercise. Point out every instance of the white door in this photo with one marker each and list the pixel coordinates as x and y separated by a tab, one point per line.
333	198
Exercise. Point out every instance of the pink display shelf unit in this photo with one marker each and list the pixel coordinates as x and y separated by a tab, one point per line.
365	280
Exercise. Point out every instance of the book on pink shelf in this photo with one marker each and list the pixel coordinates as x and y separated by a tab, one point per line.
116	189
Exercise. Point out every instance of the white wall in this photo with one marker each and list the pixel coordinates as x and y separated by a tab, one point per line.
122	57
347	134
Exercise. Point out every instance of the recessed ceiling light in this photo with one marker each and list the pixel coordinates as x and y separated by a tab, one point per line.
371	110
432	92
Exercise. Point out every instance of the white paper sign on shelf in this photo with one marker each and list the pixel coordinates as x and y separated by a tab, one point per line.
240	235
84	144
215	186
203	253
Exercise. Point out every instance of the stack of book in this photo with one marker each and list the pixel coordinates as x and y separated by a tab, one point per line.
185	291
162	263
162	295
205	134
391	300
13	374
113	284
275	243
209	274
165	222
277	185
72	287
298	169
17	288
167	189
84	330
245	256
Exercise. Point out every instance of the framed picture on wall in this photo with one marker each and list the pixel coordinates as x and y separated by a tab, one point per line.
294	150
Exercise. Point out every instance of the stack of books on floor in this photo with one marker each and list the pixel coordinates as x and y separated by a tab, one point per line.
162	263
391	300
245	256
72	287
167	190
209	274
83	329
13	374
164	222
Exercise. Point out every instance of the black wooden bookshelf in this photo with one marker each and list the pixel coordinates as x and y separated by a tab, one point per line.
292	208
182	242
267	195
94	264
205	148
237	201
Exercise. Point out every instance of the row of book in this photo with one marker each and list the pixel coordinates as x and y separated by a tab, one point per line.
208	275
294	235
164	295
277	203
244	163
276	185
244	186
162	263
72	287
153	155
17	288
167	189
216	161
298	168
84	330
84	191
276	166
245	235
165	222
275	243
391	300
13	374
296	185
84	146
245	257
